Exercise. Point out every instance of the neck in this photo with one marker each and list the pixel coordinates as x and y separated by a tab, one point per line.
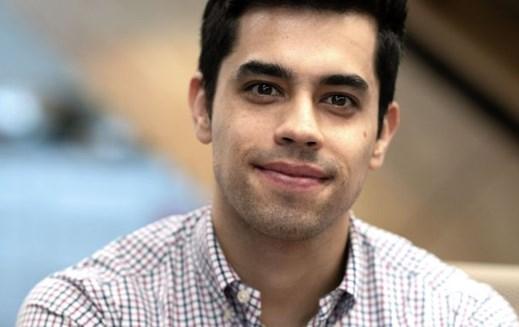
291	275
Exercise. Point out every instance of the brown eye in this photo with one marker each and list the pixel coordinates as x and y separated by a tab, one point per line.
264	89
339	100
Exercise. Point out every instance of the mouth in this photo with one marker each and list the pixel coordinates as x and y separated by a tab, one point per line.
293	176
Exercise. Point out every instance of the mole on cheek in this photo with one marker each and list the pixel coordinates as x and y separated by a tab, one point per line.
365	134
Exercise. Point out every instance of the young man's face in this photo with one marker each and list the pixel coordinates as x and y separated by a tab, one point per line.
295	120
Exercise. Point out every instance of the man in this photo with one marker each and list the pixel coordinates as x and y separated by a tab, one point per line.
296	98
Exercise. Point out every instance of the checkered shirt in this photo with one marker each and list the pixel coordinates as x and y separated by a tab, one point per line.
173	273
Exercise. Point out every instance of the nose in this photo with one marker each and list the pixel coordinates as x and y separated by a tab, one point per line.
298	126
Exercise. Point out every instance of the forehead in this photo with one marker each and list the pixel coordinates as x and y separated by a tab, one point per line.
309	42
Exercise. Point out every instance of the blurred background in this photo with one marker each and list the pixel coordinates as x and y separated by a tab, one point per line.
96	139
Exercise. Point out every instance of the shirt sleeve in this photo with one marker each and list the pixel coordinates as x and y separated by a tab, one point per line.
56	302
494	311
33	315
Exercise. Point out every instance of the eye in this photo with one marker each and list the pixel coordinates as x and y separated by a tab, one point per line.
339	100
263	89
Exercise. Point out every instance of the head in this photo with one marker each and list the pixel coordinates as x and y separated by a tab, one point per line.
290	99
220	26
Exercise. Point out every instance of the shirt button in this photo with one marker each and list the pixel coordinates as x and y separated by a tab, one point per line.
243	296
227	314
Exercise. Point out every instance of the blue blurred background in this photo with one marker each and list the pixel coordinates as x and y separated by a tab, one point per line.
72	176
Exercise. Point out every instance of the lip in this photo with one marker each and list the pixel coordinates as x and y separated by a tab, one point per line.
293	176
295	170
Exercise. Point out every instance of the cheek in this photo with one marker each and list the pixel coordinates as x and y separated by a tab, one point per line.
352	149
231	136
250	129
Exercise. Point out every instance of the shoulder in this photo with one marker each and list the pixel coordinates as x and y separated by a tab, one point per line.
141	252
85	292
432	284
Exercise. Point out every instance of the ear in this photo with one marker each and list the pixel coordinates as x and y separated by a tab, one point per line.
198	106
389	127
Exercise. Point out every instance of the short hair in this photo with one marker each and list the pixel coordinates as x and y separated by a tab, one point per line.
220	27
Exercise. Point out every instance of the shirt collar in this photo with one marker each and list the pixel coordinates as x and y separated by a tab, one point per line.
355	272
218	275
210	258
343	297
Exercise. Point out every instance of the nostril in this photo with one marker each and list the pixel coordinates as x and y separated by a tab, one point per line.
287	140
311	143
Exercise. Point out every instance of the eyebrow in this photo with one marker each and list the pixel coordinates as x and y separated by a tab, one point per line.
255	67
350	80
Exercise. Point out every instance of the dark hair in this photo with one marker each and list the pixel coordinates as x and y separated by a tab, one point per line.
220	26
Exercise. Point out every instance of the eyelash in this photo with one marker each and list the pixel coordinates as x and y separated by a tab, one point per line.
250	88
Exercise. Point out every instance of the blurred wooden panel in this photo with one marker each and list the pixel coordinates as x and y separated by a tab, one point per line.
450	182
477	41
147	81
82	27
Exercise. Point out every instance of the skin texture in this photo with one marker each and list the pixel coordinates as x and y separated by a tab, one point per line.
291	150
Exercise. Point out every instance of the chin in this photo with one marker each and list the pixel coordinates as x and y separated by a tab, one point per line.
286	222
